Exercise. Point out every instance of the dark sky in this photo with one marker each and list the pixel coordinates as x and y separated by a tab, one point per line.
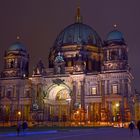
38	22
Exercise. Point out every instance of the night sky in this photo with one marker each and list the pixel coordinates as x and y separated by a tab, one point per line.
38	22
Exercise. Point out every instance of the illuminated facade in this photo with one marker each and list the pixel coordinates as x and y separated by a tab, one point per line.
87	80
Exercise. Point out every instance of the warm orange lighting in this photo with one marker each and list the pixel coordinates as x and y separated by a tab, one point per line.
117	104
19	113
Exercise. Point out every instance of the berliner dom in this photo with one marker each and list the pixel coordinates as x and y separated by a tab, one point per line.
87	82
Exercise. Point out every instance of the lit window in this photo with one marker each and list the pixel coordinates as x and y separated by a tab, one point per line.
94	91
115	89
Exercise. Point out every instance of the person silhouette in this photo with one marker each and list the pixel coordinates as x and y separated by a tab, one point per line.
18	128
131	127
24	126
138	126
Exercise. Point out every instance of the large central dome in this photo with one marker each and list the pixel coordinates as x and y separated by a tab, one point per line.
80	46
78	34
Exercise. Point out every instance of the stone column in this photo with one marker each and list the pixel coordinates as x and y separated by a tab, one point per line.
87	112
73	101
14	91
46	111
103	112
82	95
102	86
110	111
99	88
122	93
108	87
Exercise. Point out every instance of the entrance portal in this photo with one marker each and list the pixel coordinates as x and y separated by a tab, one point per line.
58	102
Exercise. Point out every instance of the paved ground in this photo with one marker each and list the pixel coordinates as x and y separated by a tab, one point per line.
76	134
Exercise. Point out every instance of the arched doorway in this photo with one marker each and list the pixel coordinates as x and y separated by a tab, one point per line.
58	103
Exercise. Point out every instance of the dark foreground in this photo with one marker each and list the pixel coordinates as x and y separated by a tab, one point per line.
73	134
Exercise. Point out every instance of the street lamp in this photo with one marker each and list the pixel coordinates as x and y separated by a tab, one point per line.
117	104
19	115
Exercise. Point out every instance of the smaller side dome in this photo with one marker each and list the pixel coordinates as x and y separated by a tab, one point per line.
17	46
115	35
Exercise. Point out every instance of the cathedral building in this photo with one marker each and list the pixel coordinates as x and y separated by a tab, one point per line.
88	80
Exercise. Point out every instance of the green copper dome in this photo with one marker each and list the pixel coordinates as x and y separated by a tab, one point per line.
78	34
115	36
17	46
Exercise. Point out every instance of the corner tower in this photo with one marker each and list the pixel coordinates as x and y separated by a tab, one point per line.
117	78
16	61
115	52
